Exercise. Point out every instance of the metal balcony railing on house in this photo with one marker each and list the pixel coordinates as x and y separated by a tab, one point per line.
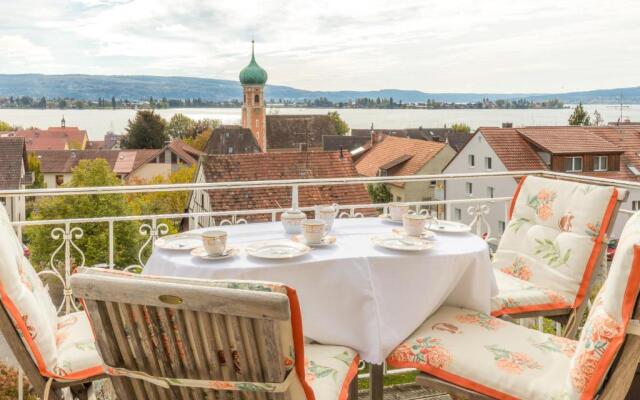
65	232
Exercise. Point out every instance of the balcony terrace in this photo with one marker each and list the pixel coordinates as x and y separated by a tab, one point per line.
69	253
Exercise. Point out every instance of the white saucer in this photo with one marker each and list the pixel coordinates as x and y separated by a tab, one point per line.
202	253
387	218
277	249
402	243
326	241
426	234
449	227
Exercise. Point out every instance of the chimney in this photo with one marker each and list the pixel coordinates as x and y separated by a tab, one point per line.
303	147
341	150
507	124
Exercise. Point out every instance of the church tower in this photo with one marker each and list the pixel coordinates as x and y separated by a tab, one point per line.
253	79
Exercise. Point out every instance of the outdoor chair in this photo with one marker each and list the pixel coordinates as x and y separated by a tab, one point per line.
555	239
54	352
172	338
476	356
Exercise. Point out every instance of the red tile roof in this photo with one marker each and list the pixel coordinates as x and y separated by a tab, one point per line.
513	150
72	136
277	166
400	156
567	140
628	139
520	154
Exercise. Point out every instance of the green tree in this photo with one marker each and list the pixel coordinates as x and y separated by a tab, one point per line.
5	126
95	239
461	127
33	164
579	116
379	193
200	141
180	126
146	131
113	102
341	126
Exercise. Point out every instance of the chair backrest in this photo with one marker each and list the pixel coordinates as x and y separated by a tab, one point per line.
555	234
26	301
605	329
240	336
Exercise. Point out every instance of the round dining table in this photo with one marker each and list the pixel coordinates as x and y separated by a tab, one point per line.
354	293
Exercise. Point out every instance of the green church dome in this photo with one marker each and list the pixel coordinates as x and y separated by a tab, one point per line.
253	74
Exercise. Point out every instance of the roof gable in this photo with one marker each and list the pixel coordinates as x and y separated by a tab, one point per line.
413	153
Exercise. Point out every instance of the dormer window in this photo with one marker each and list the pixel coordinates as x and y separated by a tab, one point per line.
573	164
600	163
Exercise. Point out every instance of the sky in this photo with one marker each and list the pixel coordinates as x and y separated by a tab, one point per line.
500	46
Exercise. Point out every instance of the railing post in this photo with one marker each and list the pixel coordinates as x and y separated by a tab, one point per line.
111	250
294	196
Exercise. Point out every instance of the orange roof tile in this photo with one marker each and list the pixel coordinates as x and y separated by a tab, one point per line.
567	140
276	166
404	156
515	152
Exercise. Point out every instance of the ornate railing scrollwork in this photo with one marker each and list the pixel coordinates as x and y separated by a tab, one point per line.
233	221
67	235
154	231
479	220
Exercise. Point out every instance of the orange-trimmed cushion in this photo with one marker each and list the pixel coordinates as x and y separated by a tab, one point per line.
553	240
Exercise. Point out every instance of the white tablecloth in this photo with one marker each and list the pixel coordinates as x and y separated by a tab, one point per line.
353	293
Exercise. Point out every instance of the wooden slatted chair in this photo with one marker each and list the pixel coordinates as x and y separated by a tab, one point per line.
171	338
476	356
53	351
555	239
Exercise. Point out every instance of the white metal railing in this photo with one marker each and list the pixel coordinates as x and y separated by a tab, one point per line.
67	231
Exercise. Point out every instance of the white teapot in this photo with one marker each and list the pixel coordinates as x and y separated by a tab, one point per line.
327	213
292	220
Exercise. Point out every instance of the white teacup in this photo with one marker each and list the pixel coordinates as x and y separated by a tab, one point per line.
214	242
314	230
397	210
413	224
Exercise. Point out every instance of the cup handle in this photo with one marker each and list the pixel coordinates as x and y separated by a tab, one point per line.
411	212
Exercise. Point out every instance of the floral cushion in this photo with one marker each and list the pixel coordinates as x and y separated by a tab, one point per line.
26	299
76	347
487	355
505	360
604	330
329	370
553	239
519	294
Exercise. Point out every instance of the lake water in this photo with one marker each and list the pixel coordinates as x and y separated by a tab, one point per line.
97	122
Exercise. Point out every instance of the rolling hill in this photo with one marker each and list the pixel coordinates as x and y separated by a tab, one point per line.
136	87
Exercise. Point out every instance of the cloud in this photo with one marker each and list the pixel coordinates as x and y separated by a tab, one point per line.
431	45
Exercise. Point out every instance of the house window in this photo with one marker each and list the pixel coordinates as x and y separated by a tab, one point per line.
469	188
432	184
457	214
256	99
472	160
573	164
635	205
230	150
490	191
487	163
600	163
501	226
59	180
